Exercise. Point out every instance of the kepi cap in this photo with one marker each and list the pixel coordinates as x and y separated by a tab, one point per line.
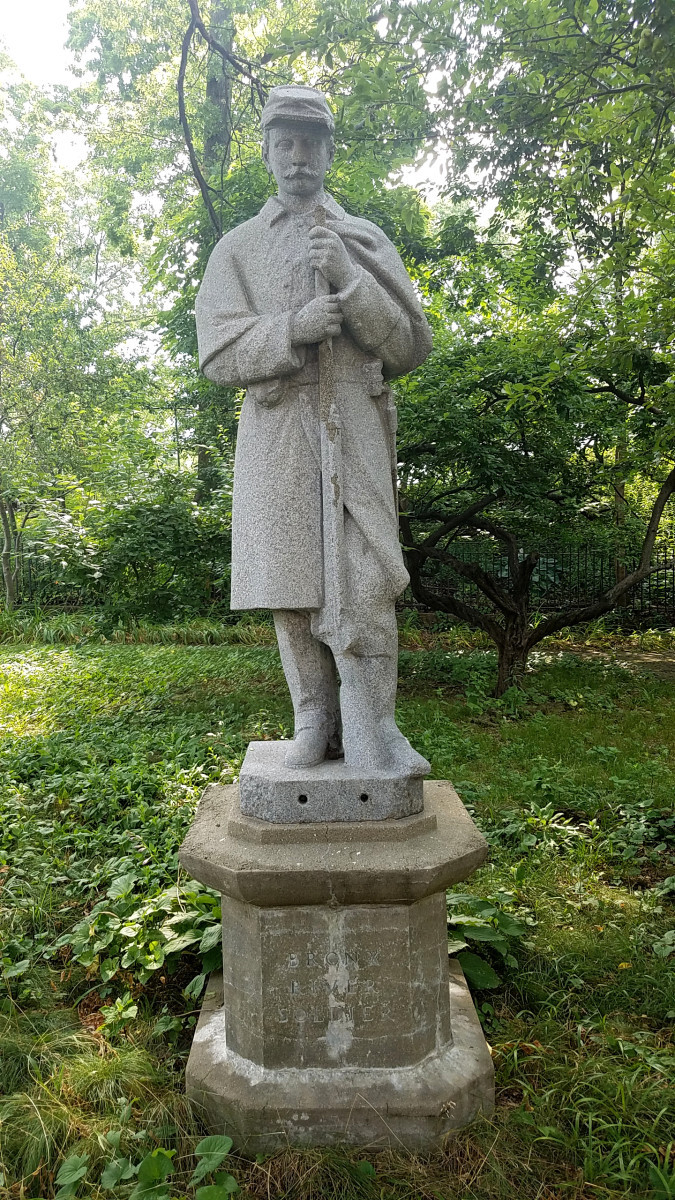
294	102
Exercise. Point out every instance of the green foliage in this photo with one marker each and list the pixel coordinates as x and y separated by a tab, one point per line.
508	434
630	820
81	404
483	920
120	935
115	1016
569	940
548	401
100	625
149	1177
165	553
69	1175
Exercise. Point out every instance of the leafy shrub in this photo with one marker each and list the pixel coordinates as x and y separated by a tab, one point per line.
644	829
483	921
539	826
166	554
149	1177
125	933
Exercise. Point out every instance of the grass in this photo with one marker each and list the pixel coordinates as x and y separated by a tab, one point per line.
104	750
72	627
96	626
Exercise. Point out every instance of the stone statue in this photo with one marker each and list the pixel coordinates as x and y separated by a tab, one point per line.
312	311
336	1019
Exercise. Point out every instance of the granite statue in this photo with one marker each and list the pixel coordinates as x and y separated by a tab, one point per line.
312	312
336	1019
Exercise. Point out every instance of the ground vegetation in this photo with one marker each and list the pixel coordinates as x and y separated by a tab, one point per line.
566	934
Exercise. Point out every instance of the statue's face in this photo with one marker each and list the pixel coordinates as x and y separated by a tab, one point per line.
298	155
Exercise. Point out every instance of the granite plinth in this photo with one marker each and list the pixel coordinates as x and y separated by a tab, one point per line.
367	862
336	1019
415	1106
331	791
323	985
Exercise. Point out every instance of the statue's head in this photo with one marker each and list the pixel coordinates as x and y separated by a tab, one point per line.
298	142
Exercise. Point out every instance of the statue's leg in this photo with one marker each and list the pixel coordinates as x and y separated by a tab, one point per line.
371	737
369	669
309	668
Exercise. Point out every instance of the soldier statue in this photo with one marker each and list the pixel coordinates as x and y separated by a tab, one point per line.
312	311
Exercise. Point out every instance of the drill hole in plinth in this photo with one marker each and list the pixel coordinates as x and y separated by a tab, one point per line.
302	799
363	797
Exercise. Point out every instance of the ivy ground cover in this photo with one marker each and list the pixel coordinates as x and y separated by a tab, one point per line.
566	935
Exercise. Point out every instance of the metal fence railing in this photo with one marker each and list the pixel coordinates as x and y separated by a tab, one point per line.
565	576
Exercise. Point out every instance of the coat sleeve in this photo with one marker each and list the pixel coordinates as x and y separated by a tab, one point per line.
382	311
237	345
377	323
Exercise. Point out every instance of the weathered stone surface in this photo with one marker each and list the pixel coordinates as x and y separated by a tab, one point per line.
335	1019
266	833
227	851
328	986
311	310
414	1106
331	791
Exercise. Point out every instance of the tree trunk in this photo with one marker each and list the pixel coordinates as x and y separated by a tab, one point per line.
204	465
6	557
17	550
512	653
618	237
217	146
620	571
218	119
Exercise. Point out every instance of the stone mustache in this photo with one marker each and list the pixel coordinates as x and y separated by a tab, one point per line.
312	311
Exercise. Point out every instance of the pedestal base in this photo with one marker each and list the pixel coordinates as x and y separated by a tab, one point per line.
330	791
413	1107
335	1020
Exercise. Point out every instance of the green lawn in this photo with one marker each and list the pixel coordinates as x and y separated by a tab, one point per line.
104	751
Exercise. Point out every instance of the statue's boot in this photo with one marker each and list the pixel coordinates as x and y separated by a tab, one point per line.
372	739
310	672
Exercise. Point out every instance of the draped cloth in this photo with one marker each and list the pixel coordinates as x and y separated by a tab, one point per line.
258	276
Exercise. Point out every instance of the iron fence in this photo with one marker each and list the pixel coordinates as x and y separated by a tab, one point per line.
566	576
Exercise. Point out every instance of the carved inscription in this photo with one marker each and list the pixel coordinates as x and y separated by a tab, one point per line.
316	987
323	985
337	988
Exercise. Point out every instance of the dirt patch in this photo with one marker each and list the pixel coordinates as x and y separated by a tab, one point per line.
648	876
89	1012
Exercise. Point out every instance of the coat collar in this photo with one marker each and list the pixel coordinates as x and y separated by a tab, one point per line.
274	210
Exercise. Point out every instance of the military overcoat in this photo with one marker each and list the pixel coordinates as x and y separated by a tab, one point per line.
258	276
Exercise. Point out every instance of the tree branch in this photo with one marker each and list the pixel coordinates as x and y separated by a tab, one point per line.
587	612
196	169
526	568
449	604
475	574
502	535
242	66
457	521
626	398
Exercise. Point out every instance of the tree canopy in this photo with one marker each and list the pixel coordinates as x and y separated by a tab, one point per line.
545	261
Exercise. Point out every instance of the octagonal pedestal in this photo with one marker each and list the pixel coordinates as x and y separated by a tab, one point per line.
336	1019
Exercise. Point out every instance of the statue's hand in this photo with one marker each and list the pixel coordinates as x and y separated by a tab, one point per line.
327	254
317	321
